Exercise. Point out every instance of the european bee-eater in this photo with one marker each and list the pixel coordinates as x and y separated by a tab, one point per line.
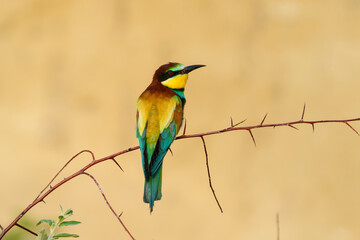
159	117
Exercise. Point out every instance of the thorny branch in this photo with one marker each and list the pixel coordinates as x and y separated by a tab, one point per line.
208	171
234	127
107	202
43	195
67	163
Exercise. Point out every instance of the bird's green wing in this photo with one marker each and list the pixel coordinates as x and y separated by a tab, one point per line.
167	136
157	126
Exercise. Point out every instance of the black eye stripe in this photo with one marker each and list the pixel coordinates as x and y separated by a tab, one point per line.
173	72
166	75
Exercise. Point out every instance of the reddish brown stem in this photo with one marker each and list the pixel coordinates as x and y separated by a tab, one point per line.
43	194
209	176
67	163
107	202
53	188
247	128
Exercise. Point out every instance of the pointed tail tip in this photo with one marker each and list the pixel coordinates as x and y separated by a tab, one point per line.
151	207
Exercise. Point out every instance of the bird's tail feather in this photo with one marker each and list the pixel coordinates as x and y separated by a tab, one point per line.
152	189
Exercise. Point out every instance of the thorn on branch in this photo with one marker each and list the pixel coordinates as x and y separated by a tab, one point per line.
26	229
43	201
107	202
352	128
171	152
263	119
293	126
184	127
1	228
67	163
208	171
231	122
236	124
252	136
43	194
303	112
120	214
232	125
117	164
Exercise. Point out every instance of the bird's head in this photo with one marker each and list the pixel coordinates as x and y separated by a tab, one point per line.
174	75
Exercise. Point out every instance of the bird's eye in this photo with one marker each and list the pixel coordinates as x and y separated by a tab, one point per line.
170	73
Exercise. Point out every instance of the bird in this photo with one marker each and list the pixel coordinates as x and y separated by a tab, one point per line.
160	110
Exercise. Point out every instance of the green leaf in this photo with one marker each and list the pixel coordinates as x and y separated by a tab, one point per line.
41	235
50	222
61	218
65	235
69	223
68	212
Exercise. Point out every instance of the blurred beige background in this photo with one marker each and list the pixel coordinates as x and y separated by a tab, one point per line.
70	74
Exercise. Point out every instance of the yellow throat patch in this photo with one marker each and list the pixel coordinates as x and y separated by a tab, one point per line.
176	82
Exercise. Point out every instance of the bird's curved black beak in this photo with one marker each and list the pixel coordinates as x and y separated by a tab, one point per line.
191	68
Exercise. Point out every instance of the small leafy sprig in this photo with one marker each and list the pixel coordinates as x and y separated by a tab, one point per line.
55	225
